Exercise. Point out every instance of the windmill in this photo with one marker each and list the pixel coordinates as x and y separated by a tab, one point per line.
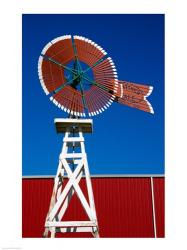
82	80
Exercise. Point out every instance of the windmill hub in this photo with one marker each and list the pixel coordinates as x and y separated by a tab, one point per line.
77	78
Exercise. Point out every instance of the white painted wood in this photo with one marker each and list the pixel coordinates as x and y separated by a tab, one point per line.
46	232
74	139
77	229
53	232
77	161
70	224
83	201
56	181
88	180
78	190
60	182
73	155
52	202
96	232
90	190
65	192
73	121
65	148
153	207
61	197
68	199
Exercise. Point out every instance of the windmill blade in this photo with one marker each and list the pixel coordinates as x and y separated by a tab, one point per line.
52	62
69	100
134	95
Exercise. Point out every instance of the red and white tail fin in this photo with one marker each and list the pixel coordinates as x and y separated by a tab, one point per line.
134	95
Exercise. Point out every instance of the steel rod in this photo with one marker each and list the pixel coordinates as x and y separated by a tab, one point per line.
57	63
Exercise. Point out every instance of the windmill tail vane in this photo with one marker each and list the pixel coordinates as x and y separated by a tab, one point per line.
134	95
81	79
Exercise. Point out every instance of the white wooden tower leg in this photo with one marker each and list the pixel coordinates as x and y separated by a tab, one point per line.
61	195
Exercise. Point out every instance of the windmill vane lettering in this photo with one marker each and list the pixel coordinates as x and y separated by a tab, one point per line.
81	79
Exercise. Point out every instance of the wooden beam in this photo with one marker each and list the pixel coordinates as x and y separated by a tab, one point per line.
70	224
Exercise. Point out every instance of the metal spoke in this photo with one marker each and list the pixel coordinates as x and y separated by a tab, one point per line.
82	95
95	64
96	83
75	53
64	84
57	63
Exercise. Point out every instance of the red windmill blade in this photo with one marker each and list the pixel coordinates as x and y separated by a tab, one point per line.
79	77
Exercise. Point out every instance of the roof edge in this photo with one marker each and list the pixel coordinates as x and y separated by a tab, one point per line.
96	176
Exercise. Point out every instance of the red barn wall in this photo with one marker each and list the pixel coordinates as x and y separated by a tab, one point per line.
159	197
123	205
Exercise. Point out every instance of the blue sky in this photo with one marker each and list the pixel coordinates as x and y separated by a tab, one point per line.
125	140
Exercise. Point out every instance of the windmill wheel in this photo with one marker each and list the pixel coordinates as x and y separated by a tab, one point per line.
77	75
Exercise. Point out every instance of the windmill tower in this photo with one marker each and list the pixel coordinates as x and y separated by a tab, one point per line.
80	79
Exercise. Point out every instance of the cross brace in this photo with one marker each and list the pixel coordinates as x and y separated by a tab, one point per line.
61	195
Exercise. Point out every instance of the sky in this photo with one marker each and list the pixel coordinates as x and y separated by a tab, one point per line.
124	140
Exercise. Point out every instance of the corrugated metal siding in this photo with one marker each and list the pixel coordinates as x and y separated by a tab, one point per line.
36	196
123	206
159	195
